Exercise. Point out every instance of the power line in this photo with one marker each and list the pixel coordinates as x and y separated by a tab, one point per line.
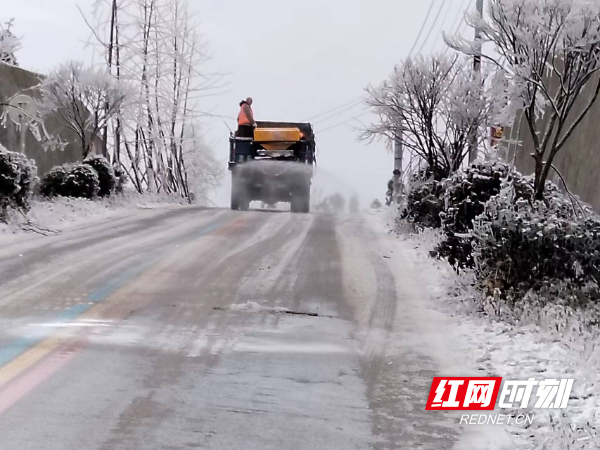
422	28
342	123
358	100
441	27
336	114
462	23
461	14
335	109
432	26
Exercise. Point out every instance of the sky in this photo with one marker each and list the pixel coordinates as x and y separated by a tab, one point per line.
297	59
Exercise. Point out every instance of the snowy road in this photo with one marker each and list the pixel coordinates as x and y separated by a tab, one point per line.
171	330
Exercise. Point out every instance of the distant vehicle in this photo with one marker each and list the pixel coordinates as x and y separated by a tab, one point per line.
276	165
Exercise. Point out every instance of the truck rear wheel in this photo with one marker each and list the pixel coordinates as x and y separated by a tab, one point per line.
301	200
239	195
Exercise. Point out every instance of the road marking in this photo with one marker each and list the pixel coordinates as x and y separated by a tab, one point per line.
21	355
44	370
19	346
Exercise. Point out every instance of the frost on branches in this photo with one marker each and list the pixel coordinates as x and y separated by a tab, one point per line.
547	68
437	103
154	46
77	97
9	44
203	171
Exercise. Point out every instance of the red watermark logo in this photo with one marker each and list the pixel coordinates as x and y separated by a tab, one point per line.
481	393
463	393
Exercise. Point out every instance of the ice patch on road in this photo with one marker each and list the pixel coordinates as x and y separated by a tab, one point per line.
255	307
248	306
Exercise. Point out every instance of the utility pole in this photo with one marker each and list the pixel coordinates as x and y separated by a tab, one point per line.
477	71
398	153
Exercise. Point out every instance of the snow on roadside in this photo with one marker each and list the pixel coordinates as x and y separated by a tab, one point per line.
58	214
426	342
543	350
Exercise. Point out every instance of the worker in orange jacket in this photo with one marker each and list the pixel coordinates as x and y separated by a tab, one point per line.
246	122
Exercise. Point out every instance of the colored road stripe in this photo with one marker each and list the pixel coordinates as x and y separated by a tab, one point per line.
17	347
45	358
25	384
15	356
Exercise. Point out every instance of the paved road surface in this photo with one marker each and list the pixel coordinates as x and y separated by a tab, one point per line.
172	330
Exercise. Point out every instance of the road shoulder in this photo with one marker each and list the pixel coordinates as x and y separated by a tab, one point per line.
418	340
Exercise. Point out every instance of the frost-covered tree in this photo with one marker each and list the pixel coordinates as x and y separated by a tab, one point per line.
155	46
203	172
547	59
76	96
9	44
437	104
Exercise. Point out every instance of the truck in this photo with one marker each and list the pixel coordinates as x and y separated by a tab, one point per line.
275	165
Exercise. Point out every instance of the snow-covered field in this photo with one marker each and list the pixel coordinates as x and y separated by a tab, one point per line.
549	343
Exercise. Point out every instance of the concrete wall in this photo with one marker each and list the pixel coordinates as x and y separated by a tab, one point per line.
578	161
14	80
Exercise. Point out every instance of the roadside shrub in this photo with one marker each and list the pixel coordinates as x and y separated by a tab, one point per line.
82	181
524	245
70	180
51	184
17	176
465	195
106	174
424	204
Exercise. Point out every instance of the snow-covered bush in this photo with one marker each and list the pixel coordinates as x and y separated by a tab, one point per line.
51	184
82	181
70	180
424	203
522	244
106	174
465	195
17	176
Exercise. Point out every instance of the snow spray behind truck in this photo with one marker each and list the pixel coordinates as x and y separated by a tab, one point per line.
276	165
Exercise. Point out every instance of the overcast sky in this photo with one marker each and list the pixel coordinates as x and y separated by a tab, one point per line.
297	59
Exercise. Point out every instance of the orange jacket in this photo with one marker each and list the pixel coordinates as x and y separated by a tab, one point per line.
246	115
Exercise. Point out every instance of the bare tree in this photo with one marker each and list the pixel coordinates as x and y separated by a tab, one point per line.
76	96
9	44
203	171
546	66
438	103
154	46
